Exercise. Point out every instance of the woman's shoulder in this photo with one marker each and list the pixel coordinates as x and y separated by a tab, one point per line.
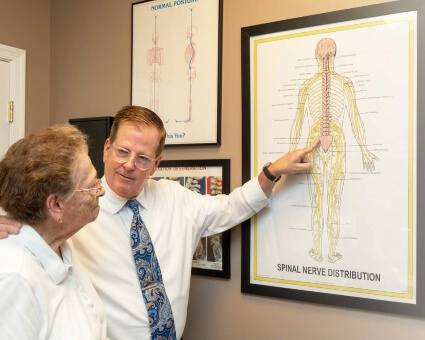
12	254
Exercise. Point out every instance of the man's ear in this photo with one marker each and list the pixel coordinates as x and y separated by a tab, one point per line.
106	147
158	160
54	206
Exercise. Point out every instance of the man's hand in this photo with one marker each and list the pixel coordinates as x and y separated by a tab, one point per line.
9	226
296	161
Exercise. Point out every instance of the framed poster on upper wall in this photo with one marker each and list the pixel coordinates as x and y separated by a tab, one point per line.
348	233
176	67
206	177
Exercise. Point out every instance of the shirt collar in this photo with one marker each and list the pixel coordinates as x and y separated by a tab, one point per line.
116	202
52	264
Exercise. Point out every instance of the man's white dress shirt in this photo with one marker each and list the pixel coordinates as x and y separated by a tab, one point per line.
176	219
43	297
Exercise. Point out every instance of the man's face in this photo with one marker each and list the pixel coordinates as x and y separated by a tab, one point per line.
125	179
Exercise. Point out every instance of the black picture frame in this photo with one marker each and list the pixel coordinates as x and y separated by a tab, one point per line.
181	170
316	23
98	129
176	66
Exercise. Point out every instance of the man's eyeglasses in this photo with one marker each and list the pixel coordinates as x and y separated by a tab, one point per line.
97	189
141	162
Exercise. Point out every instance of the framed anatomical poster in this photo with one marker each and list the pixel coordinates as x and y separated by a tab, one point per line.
206	177
176	67
346	233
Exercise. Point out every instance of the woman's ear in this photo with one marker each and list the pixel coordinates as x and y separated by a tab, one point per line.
54	205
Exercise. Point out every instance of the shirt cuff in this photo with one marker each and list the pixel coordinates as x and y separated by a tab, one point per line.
254	195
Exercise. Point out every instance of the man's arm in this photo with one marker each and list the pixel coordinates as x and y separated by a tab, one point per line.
293	162
9	226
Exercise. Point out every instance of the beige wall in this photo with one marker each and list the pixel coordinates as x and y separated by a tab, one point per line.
217	308
90	67
90	76
25	24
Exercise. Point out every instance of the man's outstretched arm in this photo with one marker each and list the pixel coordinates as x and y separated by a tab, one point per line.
296	161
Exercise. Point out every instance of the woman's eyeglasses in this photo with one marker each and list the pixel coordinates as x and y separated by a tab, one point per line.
97	189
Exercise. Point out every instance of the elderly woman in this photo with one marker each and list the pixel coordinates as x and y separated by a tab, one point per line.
48	183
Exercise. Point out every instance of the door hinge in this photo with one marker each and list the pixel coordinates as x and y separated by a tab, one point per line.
10	112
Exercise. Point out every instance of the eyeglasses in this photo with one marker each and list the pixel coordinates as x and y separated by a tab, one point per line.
97	188
141	162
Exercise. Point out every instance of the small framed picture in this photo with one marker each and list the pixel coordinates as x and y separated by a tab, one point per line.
206	177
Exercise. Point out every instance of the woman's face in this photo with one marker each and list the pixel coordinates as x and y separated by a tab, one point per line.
83	206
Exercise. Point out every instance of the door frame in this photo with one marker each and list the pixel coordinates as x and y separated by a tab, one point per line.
17	62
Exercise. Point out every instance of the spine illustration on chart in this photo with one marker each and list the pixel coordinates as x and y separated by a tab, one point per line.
189	57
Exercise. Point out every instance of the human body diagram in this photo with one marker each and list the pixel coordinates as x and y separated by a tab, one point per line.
325	100
155	60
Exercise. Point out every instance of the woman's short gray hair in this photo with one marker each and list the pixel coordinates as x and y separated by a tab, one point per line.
42	163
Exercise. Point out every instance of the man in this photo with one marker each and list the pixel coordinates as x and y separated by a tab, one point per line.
175	217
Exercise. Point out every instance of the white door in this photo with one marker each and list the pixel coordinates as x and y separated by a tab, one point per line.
12	88
4	103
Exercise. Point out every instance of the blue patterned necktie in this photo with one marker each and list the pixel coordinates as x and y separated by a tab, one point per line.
161	320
